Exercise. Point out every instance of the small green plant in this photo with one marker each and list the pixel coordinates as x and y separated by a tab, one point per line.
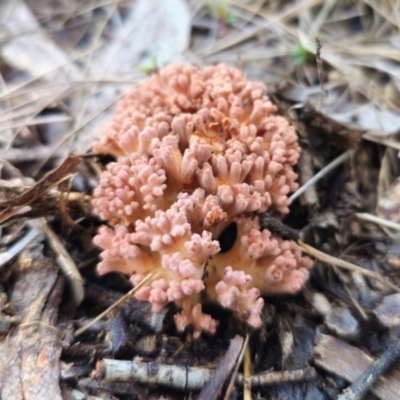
220	10
301	55
149	67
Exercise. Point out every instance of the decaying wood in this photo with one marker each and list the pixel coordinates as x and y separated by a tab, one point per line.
349	362
30	353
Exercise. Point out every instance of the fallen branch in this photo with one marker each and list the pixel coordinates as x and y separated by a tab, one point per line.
185	378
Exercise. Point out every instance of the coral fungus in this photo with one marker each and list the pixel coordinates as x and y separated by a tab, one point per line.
198	151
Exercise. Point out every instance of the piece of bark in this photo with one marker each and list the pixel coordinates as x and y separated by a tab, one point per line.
29	361
41	352
214	386
122	388
349	362
310	197
118	332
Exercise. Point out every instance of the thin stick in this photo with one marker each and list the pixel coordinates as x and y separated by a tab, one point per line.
335	163
116	304
278	377
345	264
355	302
378	220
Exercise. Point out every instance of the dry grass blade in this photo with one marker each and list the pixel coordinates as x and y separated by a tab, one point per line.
326	258
17	247
124	298
50	180
335	163
246	374
382	140
378	220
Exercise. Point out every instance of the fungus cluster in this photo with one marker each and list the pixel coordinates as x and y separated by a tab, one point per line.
197	151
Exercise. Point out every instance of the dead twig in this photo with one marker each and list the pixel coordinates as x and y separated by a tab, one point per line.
173	376
274	377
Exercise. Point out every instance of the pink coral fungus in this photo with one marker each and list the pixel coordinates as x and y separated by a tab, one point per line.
198	150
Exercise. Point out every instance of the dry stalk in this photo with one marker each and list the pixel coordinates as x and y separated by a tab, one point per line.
246	374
